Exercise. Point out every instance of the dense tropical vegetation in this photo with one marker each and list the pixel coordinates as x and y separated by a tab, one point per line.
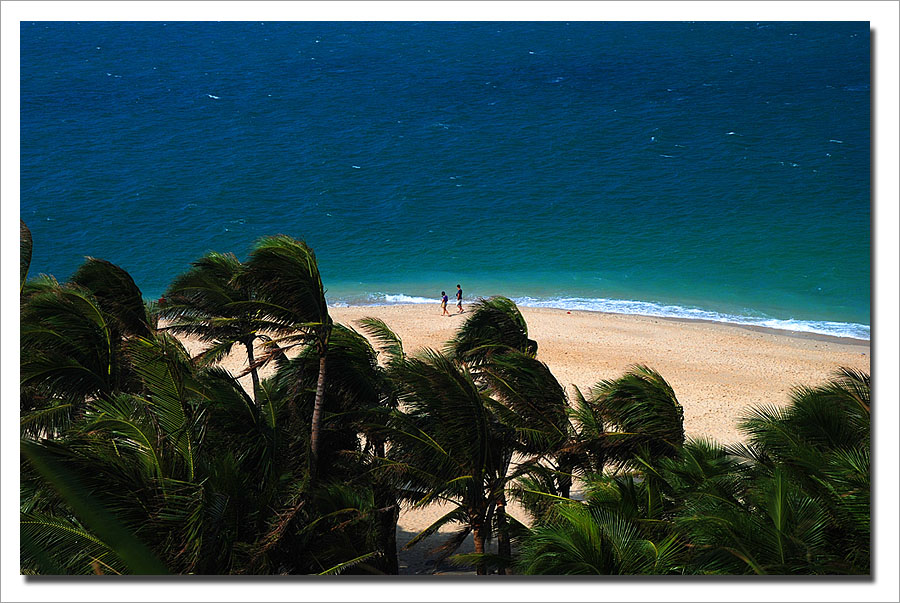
139	458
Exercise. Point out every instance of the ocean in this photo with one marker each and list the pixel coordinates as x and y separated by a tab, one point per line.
714	170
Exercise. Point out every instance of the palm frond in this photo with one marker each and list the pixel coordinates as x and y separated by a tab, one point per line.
164	366
388	341
61	546
93	512
116	293
341	567
69	344
492	324
644	411
284	271
25	246
455	515
533	403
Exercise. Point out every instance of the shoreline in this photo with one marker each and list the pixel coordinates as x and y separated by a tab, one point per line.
825	337
846	339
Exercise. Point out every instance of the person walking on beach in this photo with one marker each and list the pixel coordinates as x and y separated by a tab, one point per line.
459	298
444	299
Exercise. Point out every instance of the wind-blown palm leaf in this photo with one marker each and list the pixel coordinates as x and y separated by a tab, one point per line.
92	511
587	443
286	277
285	273
643	410
581	541
164	366
388	341
126	421
532	402
25	245
61	546
784	532
354	384
45	416
493	324
206	289
821	440
116	294
351	397
537	491
39	284
208	302
446	444
455	515
69	345
344	565
833	416
446	407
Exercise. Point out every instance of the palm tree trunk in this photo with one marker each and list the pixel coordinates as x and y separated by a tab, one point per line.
388	528
478	534
564	478
254	374
317	420
387	520
504	549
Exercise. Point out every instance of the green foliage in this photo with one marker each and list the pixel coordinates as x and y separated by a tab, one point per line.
579	540
284	273
71	348
493	324
527	398
113	547
794	500
115	293
207	302
25	246
137	458
642	410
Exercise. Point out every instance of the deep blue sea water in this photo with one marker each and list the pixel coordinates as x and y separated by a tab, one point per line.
716	170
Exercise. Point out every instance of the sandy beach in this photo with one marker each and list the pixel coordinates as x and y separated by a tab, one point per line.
717	370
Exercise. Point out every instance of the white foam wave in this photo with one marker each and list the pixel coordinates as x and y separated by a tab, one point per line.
641	308
407	299
617	306
379	299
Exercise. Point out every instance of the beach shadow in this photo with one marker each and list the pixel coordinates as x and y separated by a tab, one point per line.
418	560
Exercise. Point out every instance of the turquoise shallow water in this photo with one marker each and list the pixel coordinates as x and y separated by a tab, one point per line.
713	170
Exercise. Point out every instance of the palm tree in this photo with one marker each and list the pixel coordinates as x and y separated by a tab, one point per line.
447	446
72	335
527	399
579	540
794	500
116	293
493	324
193	470
284	273
821	442
643	411
620	419
205	302
774	528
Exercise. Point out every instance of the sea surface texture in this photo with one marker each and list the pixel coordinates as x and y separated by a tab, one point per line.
710	170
